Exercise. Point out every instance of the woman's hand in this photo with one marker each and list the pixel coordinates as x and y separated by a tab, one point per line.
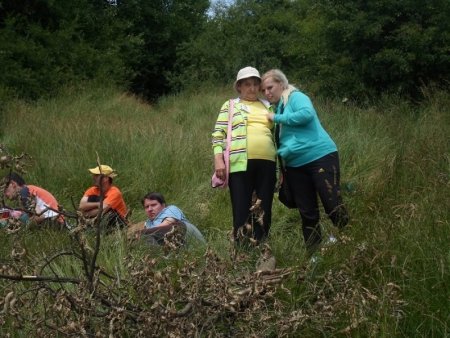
270	116
219	166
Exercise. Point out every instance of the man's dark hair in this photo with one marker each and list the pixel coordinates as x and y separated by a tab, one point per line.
16	178
155	196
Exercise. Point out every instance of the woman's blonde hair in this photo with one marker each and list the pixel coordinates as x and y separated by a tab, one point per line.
278	76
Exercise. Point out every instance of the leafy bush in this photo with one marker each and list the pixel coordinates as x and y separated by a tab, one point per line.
355	49
46	45
385	46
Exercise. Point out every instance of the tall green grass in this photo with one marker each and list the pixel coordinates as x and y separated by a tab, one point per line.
395	164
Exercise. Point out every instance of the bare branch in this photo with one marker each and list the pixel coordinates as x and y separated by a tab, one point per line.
26	278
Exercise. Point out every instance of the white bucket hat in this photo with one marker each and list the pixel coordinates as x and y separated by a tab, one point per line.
245	73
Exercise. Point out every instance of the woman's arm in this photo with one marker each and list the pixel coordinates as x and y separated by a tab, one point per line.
299	110
220	129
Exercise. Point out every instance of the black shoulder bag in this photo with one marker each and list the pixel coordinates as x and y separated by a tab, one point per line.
285	194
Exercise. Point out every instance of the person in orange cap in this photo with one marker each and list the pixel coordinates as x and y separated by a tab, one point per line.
113	206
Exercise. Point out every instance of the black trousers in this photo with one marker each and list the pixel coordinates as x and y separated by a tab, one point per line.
260	177
318	178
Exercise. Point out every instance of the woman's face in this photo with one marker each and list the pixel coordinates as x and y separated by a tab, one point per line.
272	90
249	88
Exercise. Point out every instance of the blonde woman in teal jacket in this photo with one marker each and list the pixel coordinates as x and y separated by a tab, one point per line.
252	155
309	156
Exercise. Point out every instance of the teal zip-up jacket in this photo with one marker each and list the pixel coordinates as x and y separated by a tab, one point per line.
302	137
238	151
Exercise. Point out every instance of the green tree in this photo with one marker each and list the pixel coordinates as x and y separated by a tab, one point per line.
249	32
162	25
45	44
347	48
379	46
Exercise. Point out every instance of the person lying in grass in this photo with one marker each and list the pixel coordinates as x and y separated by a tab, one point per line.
36	204
164	219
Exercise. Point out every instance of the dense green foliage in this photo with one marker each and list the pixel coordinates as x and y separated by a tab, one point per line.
161	25
356	49
349	48
379	46
46	44
257	33
388	275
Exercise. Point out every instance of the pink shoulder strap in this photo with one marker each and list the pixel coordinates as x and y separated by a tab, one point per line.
227	149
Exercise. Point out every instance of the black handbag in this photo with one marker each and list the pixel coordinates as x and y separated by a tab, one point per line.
285	195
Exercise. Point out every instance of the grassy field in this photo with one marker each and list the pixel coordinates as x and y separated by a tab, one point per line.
388	275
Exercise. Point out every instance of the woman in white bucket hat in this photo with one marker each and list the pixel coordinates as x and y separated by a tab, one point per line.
252	159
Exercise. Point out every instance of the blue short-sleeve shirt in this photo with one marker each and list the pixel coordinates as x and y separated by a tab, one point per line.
172	211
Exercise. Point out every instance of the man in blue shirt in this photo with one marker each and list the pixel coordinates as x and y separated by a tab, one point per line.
162	219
